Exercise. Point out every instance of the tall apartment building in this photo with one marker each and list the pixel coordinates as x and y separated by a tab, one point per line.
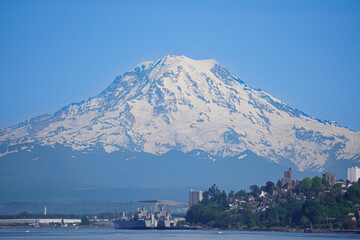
353	174
194	197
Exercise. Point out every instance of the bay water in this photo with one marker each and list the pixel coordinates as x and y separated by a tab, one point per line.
112	234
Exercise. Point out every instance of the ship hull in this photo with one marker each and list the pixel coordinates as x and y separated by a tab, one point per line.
166	224
134	224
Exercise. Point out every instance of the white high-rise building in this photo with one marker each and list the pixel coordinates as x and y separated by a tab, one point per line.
194	197
353	174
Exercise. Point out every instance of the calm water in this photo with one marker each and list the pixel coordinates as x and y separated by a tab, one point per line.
110	233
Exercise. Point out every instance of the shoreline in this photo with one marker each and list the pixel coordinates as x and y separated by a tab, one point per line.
295	230
299	230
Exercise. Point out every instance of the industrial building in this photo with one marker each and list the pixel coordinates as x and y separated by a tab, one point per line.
40	221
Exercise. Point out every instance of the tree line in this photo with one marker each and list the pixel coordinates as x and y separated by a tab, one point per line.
313	203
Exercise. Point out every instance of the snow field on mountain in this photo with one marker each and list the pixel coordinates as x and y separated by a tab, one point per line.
184	104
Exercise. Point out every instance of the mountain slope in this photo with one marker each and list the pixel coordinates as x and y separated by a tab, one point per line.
176	103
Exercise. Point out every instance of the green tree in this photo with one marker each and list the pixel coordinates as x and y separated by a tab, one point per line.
305	188
305	222
210	211
241	194
85	220
213	192
231	194
314	211
249	217
353	194
325	182
255	190
317	185
269	187
307	182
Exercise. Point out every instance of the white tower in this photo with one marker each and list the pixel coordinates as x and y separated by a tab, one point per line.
194	197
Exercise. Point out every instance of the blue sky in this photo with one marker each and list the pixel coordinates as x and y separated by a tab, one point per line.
306	53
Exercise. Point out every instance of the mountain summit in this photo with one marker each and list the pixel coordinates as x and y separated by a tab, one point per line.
192	106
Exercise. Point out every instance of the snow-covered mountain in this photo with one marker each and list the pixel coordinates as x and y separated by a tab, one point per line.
197	106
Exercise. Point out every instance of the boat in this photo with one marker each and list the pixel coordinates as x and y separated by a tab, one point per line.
142	219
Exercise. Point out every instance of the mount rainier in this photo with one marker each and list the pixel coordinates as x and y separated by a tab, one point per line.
191	107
